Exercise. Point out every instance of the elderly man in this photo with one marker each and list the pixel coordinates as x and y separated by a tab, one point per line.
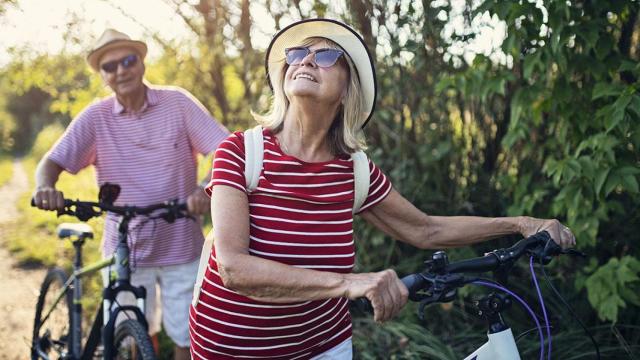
145	139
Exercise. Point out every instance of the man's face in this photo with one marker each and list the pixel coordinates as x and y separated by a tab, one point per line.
126	77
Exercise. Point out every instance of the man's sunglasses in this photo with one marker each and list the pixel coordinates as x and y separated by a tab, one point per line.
322	57
126	62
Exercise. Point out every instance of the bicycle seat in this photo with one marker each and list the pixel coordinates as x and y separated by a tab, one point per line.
66	230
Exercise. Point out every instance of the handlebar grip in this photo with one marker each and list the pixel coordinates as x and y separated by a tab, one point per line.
413	282
485	263
363	305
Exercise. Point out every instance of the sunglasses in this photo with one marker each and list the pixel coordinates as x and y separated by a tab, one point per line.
322	57
126	62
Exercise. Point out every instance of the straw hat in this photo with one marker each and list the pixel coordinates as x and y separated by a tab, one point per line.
111	39
341	34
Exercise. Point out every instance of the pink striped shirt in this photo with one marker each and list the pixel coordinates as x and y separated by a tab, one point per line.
152	156
300	215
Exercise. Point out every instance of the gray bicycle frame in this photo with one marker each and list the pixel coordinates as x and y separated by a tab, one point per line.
120	275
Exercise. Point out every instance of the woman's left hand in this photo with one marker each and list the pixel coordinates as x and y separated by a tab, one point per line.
561	234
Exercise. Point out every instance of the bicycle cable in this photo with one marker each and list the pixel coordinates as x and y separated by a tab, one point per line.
527	332
573	314
491	284
544	309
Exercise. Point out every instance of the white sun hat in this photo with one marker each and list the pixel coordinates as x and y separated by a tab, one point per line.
111	39
338	32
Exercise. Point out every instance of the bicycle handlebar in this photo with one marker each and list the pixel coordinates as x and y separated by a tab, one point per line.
85	210
440	279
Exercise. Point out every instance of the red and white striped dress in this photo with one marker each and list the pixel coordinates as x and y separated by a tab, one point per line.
300	215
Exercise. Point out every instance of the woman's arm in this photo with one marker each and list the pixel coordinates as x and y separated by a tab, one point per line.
271	281
400	219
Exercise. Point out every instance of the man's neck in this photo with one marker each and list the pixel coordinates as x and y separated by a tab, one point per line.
133	102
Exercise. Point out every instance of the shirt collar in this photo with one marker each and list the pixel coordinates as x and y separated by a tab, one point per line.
151	99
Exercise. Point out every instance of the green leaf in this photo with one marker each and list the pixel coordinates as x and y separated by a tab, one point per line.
600	179
634	105
612	182
619	108
630	295
603	47
604	89
613	120
587	165
627	65
530	62
608	309
628	170
630	183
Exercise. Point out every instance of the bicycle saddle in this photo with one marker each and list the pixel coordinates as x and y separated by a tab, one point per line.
66	230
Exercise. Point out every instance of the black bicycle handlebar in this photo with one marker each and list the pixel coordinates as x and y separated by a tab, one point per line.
85	210
440	279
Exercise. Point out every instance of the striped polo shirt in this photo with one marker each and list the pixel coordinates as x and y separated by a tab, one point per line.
151	154
300	215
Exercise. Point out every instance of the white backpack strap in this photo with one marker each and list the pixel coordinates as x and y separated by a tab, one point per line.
204	262
253	156
253	148
360	178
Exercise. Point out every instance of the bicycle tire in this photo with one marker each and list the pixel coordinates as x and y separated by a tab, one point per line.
125	349
52	337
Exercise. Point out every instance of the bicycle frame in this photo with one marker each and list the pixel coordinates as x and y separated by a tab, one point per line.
500	346
104	323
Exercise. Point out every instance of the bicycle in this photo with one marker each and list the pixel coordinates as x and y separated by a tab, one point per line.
439	281
57	328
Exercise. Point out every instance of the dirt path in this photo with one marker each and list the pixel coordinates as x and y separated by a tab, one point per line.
19	286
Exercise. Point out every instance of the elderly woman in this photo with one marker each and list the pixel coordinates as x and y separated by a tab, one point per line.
279	278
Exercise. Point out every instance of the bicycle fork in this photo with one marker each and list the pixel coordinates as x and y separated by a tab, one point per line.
119	281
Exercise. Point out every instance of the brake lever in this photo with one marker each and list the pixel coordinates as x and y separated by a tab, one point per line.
444	289
574	252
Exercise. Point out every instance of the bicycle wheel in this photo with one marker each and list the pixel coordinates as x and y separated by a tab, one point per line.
132	341
51	335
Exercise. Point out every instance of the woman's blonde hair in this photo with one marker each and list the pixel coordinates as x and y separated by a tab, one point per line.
345	133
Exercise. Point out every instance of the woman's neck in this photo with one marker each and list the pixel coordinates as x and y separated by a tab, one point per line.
305	132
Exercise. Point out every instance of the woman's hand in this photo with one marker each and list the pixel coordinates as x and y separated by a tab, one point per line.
384	290
561	234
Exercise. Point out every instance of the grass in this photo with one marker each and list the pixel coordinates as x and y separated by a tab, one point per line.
6	169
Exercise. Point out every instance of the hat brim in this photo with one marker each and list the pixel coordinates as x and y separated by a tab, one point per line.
93	59
341	34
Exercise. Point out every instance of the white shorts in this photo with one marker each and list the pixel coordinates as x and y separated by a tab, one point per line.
342	351
173	285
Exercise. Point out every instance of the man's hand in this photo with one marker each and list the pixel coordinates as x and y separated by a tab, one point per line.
198	202
48	198
561	234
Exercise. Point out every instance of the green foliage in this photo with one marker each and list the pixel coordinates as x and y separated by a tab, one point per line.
571	116
36	91
613	285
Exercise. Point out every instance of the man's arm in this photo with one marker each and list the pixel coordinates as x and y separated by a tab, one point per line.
46	196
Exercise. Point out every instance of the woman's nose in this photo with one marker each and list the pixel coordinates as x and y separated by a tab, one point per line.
309	60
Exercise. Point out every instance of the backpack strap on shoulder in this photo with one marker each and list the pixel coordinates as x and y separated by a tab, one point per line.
360	178
253	156
253	148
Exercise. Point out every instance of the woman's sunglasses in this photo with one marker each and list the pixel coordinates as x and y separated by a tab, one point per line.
322	57
126	62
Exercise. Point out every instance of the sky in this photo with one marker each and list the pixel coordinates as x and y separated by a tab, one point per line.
40	25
